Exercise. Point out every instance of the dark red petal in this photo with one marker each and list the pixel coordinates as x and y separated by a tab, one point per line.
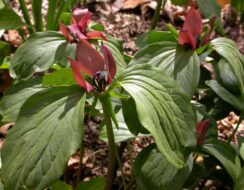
84	21
193	22
187	40
65	32
78	76
202	128
77	14
110	63
96	35
91	61
74	29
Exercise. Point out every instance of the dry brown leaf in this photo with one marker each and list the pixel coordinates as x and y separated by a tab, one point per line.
131	4
222	3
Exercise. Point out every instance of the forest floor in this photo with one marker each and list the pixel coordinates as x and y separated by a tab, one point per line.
127	23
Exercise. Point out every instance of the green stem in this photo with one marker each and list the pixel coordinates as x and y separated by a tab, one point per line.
121	169
80	164
156	13
241	117
37	14
111	142
61	8
52	4
94	103
26	15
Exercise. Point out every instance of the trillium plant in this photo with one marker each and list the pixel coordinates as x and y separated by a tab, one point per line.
161	92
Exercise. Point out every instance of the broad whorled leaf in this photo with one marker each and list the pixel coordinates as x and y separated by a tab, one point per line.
9	19
36	54
226	154
163	108
153	171
183	65
229	50
239	184
15	97
48	130
235	101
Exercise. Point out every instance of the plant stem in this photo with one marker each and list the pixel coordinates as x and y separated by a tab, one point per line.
37	14
156	13
26	15
111	144
94	103
121	168
80	164
52	4
237	127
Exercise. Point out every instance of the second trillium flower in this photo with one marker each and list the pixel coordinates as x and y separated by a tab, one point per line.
189	35
90	69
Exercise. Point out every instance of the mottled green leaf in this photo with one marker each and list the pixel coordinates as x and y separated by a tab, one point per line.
226	154
153	171
182	65
235	101
229	50
163	109
36	54
15	97
9	19
48	130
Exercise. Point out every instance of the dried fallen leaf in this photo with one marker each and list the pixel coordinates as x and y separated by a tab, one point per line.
131	4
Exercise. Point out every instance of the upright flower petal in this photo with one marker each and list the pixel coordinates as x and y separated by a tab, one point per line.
77	71
202	128
74	29
187	40
193	22
88	57
65	32
84	21
77	14
109	63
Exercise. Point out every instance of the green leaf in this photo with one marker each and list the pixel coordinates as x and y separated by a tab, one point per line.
121	134
4	50
210	8
15	97
226	154
64	50
97	27
239	184
153	171
131	116
154	36
179	2
94	184
163	109
36	54
9	19
225	94
65	17
48	130
228	79
119	59
241	145
61	77
182	65
60	185
229	50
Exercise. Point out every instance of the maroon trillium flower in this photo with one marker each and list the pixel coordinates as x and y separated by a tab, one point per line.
78	29
89	64
202	128
189	35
